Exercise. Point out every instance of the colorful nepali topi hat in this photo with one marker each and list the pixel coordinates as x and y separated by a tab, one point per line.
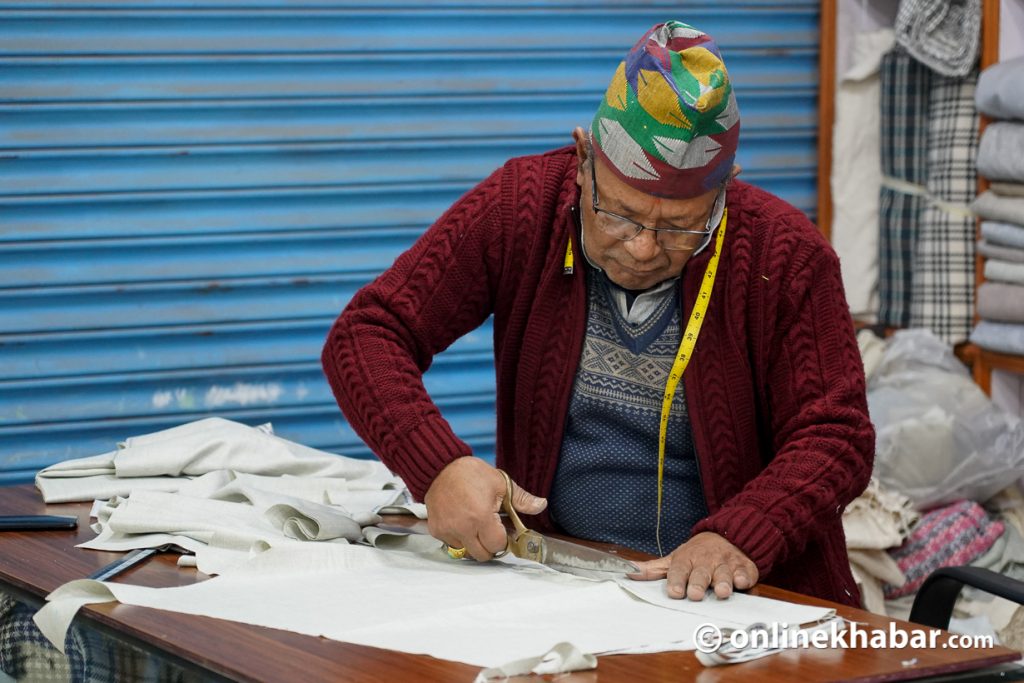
669	125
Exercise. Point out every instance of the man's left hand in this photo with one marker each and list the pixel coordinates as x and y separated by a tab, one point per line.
705	561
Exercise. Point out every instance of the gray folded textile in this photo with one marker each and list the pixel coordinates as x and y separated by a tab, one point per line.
942	34
1004	271
998	251
1005	189
1003	234
991	206
1001	90
1001	302
1001	152
1001	337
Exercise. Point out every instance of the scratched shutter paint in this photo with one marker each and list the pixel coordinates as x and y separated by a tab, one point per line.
190	191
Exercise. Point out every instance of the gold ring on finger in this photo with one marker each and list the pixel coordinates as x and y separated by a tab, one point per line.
455	553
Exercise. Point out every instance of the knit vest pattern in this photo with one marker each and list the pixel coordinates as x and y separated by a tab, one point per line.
606	483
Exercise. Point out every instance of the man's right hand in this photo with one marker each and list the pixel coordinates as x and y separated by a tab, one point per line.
463	504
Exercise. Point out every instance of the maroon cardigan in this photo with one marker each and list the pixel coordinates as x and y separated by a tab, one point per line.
775	389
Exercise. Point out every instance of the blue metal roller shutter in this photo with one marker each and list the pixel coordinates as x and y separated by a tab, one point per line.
191	191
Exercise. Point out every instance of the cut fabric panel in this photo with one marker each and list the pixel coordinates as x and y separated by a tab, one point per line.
856	173
430	604
1001	302
949	536
942	283
1001	151
943	34
999	337
905	86
1001	90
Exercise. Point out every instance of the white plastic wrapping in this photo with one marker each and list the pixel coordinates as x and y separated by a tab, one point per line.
939	437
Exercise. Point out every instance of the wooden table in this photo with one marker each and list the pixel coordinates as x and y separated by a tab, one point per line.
38	562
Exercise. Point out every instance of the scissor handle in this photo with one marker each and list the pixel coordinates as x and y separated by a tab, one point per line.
509	508
523	543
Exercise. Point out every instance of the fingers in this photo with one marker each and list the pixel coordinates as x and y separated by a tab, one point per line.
652	570
708	562
680	573
525	502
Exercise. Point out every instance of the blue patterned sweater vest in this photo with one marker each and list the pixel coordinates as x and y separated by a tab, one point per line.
606	485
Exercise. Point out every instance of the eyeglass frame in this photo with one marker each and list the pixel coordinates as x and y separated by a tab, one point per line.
706	232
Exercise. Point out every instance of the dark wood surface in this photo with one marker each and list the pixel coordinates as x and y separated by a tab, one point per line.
38	562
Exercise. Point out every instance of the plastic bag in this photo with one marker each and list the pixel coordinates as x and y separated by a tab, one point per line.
939	437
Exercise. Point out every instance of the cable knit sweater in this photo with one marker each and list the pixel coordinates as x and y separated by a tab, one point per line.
775	388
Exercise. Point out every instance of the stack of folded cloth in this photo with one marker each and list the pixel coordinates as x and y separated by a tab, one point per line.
1000	95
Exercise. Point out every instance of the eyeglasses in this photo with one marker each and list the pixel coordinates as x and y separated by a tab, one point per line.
671	239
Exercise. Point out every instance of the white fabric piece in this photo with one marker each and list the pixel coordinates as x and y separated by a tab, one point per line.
162	459
871	569
481	614
879	518
562	658
152	518
872	350
1004	271
857	172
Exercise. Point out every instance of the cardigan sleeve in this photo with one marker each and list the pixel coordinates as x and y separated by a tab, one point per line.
821	434
385	339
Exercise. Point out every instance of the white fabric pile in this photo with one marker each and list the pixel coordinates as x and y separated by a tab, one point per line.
287	530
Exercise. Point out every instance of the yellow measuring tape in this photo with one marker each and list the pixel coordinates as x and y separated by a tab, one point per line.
686	345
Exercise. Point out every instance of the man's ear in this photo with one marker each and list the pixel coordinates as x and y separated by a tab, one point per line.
579	136
736	170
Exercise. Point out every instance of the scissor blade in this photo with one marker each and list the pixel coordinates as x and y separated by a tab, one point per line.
566	554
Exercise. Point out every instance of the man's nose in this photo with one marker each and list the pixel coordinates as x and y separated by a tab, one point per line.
644	246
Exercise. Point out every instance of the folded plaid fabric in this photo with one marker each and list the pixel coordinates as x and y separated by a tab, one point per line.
905	86
949	536
943	34
942	282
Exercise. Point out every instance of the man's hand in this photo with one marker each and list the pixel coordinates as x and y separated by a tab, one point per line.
463	504
706	560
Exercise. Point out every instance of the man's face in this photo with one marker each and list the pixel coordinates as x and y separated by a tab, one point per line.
640	262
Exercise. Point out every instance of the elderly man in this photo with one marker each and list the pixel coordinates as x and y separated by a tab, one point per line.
614	267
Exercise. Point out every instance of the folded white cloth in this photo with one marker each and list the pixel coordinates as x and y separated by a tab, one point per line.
1001	337
1007	189
1004	271
879	518
164	460
1001	252
994	207
1001	151
1003	234
1000	91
